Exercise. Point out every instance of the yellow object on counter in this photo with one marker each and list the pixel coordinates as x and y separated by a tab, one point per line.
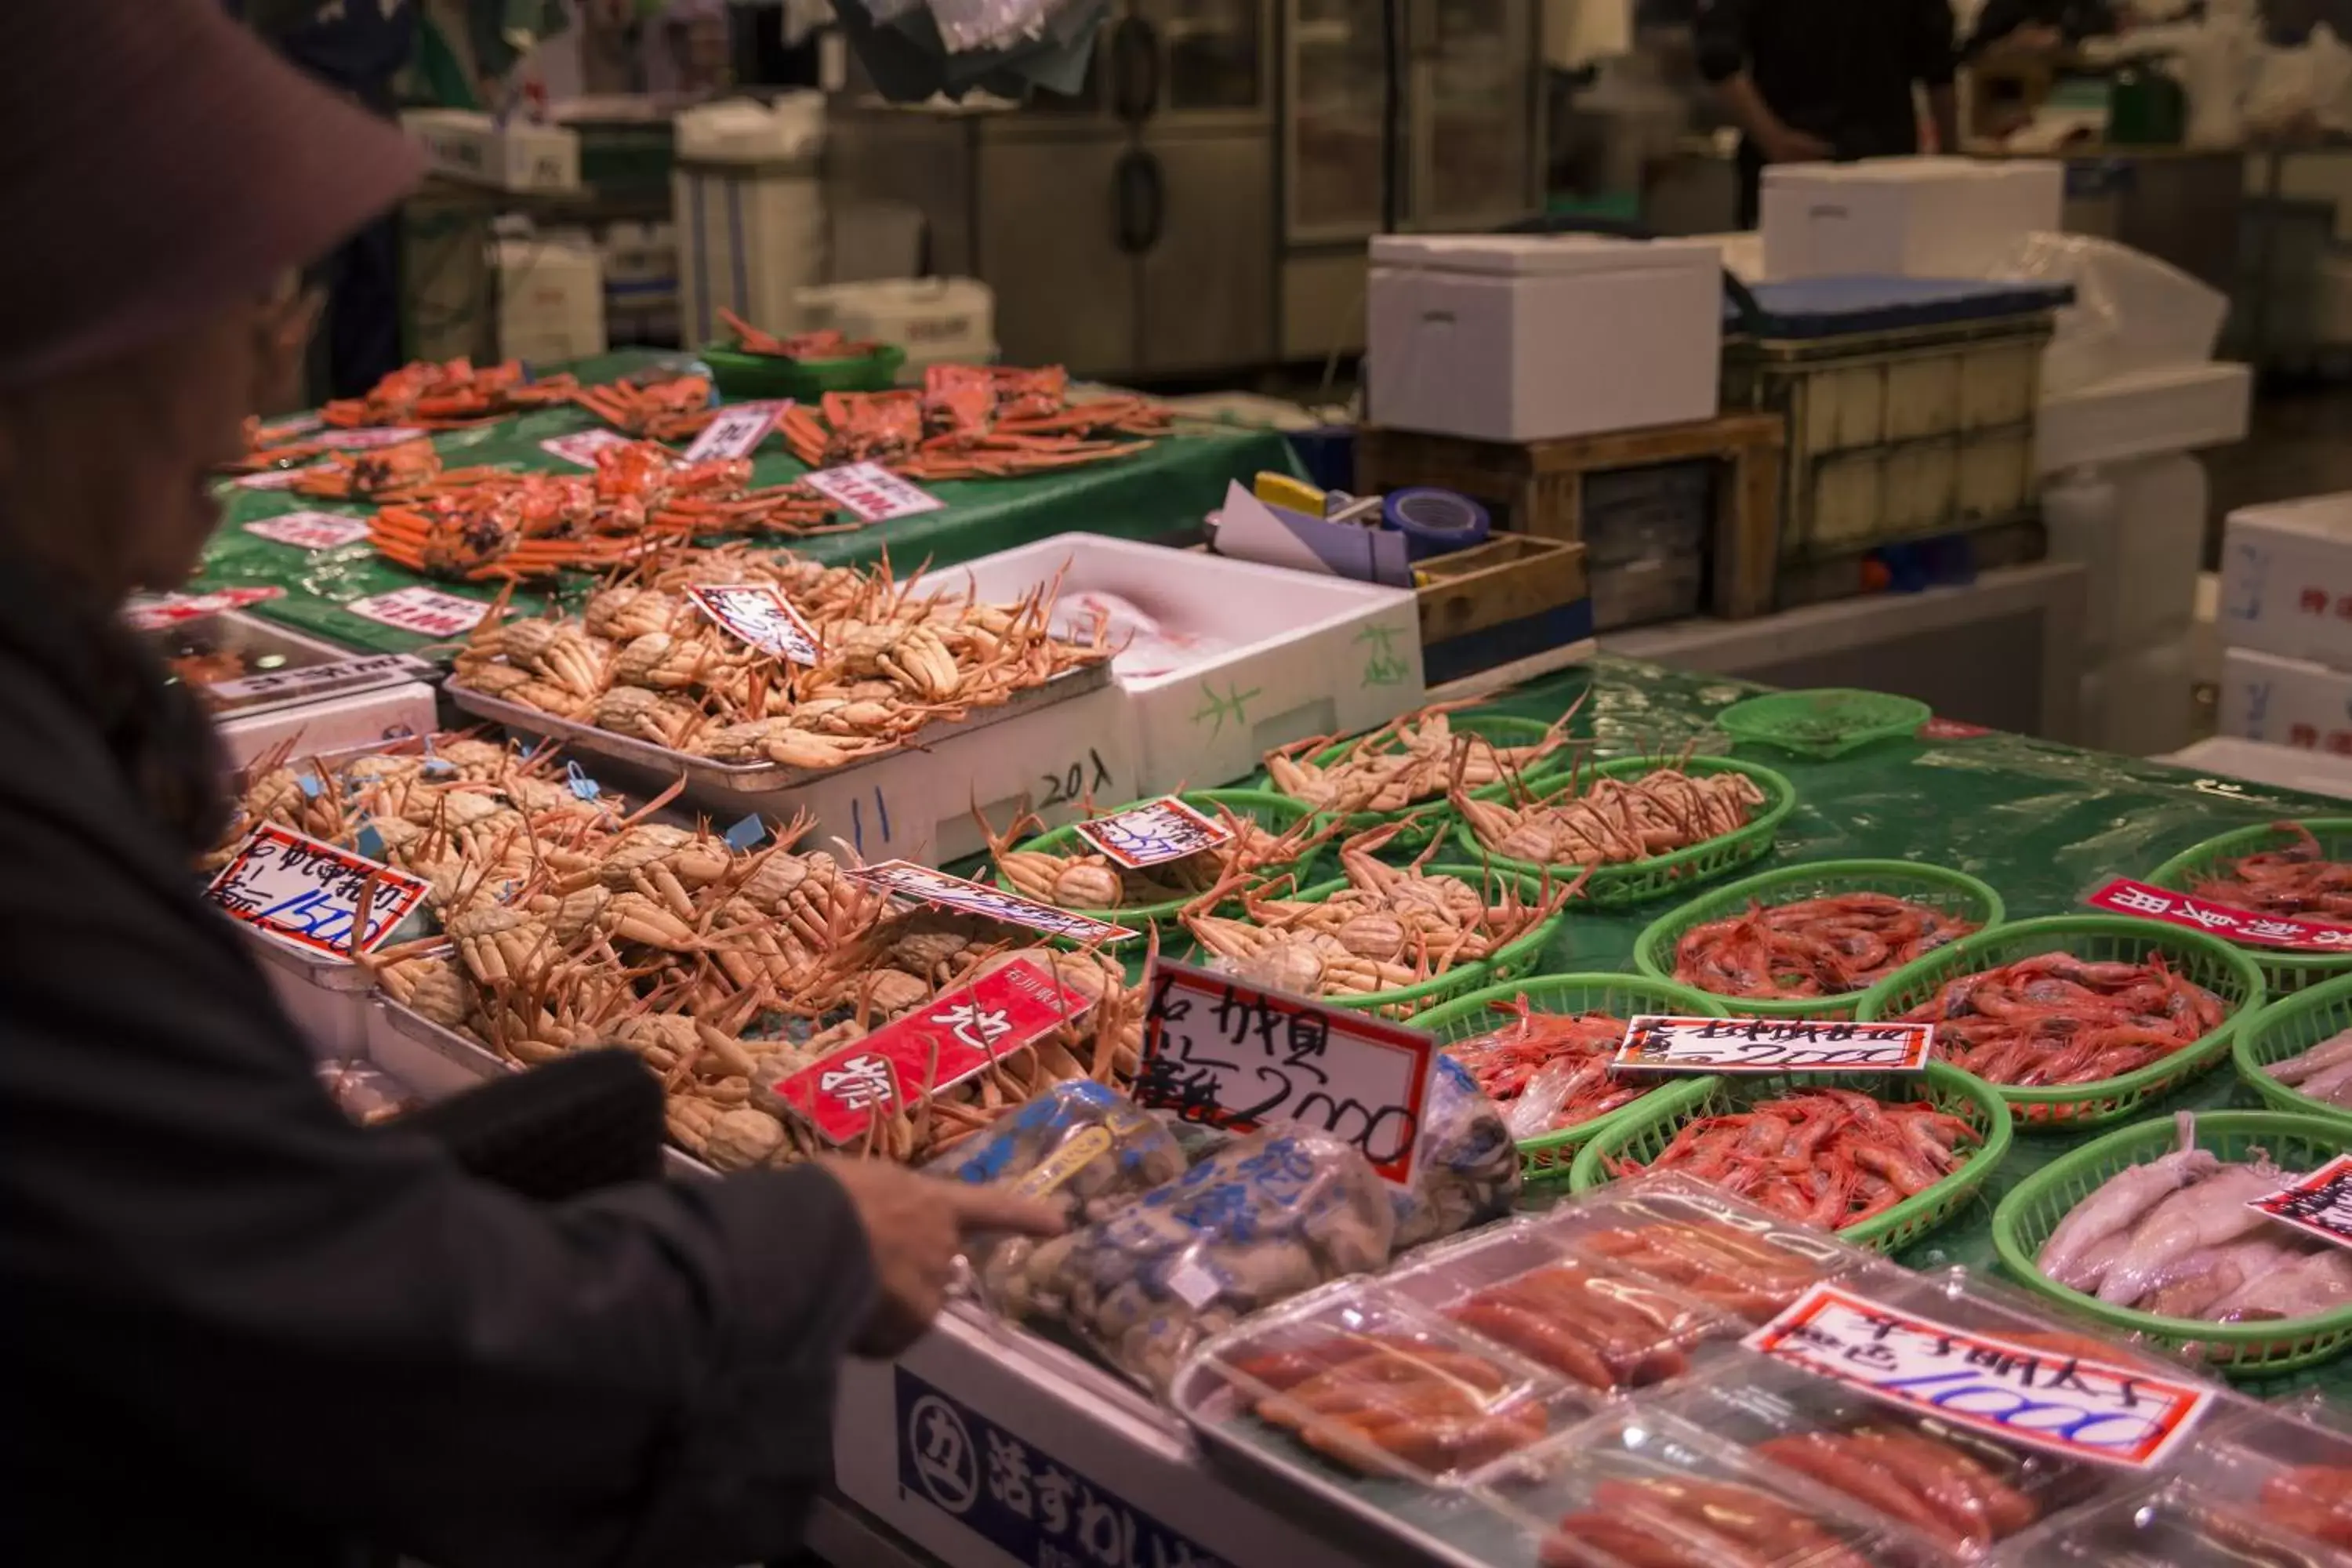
1281	490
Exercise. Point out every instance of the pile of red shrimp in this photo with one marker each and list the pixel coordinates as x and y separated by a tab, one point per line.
1812	947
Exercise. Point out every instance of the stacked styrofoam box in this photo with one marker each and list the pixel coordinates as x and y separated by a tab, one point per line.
936	319
551	298
2138	529
463	144
750	211
640	282
2285	624
1904	217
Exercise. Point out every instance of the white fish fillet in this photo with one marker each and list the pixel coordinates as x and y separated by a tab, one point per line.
2207	1215
2333	1051
2120	1200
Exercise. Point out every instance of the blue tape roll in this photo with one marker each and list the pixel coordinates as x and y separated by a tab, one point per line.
1434	522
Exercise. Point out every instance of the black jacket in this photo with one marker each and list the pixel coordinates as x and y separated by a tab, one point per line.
1841	69
236	1329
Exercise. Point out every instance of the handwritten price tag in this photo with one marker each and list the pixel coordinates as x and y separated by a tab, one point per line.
1663	1043
2319	1204
738	429
761	615
2125	897
426	611
581	446
1153	833
378	670
310	529
911	880
309	893
365	440
872	492
1235	1057
2018	1392
152	615
935	1047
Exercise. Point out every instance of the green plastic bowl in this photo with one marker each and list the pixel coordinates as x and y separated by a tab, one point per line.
2288	1027
1552	1156
749	375
1272	811
1949	892
2033	1210
1502	728
2201	960
2283	972
1826	721
1639	882
1642	1137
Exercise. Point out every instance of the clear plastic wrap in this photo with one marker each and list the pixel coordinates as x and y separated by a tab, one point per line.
2292	1467
1081	1144
1469	1170
366	1094
2170	1526
1264	1219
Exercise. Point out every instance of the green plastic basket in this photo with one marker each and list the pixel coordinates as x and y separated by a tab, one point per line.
1827	722
740	374
1642	1137
2288	1027
1550	1157
2283	972
1432	813
1274	811
2201	960
1949	892
1639	882
2032	1211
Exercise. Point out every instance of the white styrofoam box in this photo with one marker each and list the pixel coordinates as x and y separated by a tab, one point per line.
1742	251
935	319
1501	337
640	281
2280	767
2161	505
463	144
2286	579
750	237
1290	654
1909	217
385	714
2143	415
740	130
551	300
2285	701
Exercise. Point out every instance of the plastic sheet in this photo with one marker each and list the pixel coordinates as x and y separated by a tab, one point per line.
1469	1171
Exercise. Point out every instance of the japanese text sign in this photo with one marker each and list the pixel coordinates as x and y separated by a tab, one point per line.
935	1046
2013	1390
913	881
1153	833
1654	1043
310	529
152	615
761	615
581	446
1236	1056
428	612
309	893
872	492
2125	897
275	685
736	430
2319	1204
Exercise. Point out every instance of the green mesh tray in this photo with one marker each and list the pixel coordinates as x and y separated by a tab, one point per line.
1272	811
2028	1215
1642	1137
1639	882
2217	966
1949	892
2288	1027
740	374
2283	972
1548	1158
1426	819
1826	721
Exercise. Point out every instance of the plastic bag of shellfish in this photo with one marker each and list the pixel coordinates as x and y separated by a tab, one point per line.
1468	1171
1079	1145
1266	1217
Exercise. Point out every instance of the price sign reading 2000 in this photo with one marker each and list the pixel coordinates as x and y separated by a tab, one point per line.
1231	1055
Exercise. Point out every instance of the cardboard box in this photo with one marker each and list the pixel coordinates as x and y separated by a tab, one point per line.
2286	580
2288	702
1528	338
1904	217
463	144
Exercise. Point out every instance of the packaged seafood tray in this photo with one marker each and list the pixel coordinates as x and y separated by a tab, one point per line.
1891	1155
1743	802
2296	1053
1541	1046
1270	838
1809	941
2156	1214
2171	1524
2284	868
2079	995
2293	1468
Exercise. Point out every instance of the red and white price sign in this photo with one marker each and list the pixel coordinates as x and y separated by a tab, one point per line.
152	615
911	880
761	615
2319	1204
1233	1055
581	446
365	440
426	611
309	893
277	478
279	432
872	492
1658	1043
934	1047
1153	833
2013	1390
2124	897
736	430
310	529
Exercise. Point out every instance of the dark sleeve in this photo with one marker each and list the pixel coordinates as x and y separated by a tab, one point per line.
1997	21
345	1321
1932	59
1723	37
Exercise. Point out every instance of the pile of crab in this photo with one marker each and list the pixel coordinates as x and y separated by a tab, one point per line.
1407	762
973	422
645	661
567	921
